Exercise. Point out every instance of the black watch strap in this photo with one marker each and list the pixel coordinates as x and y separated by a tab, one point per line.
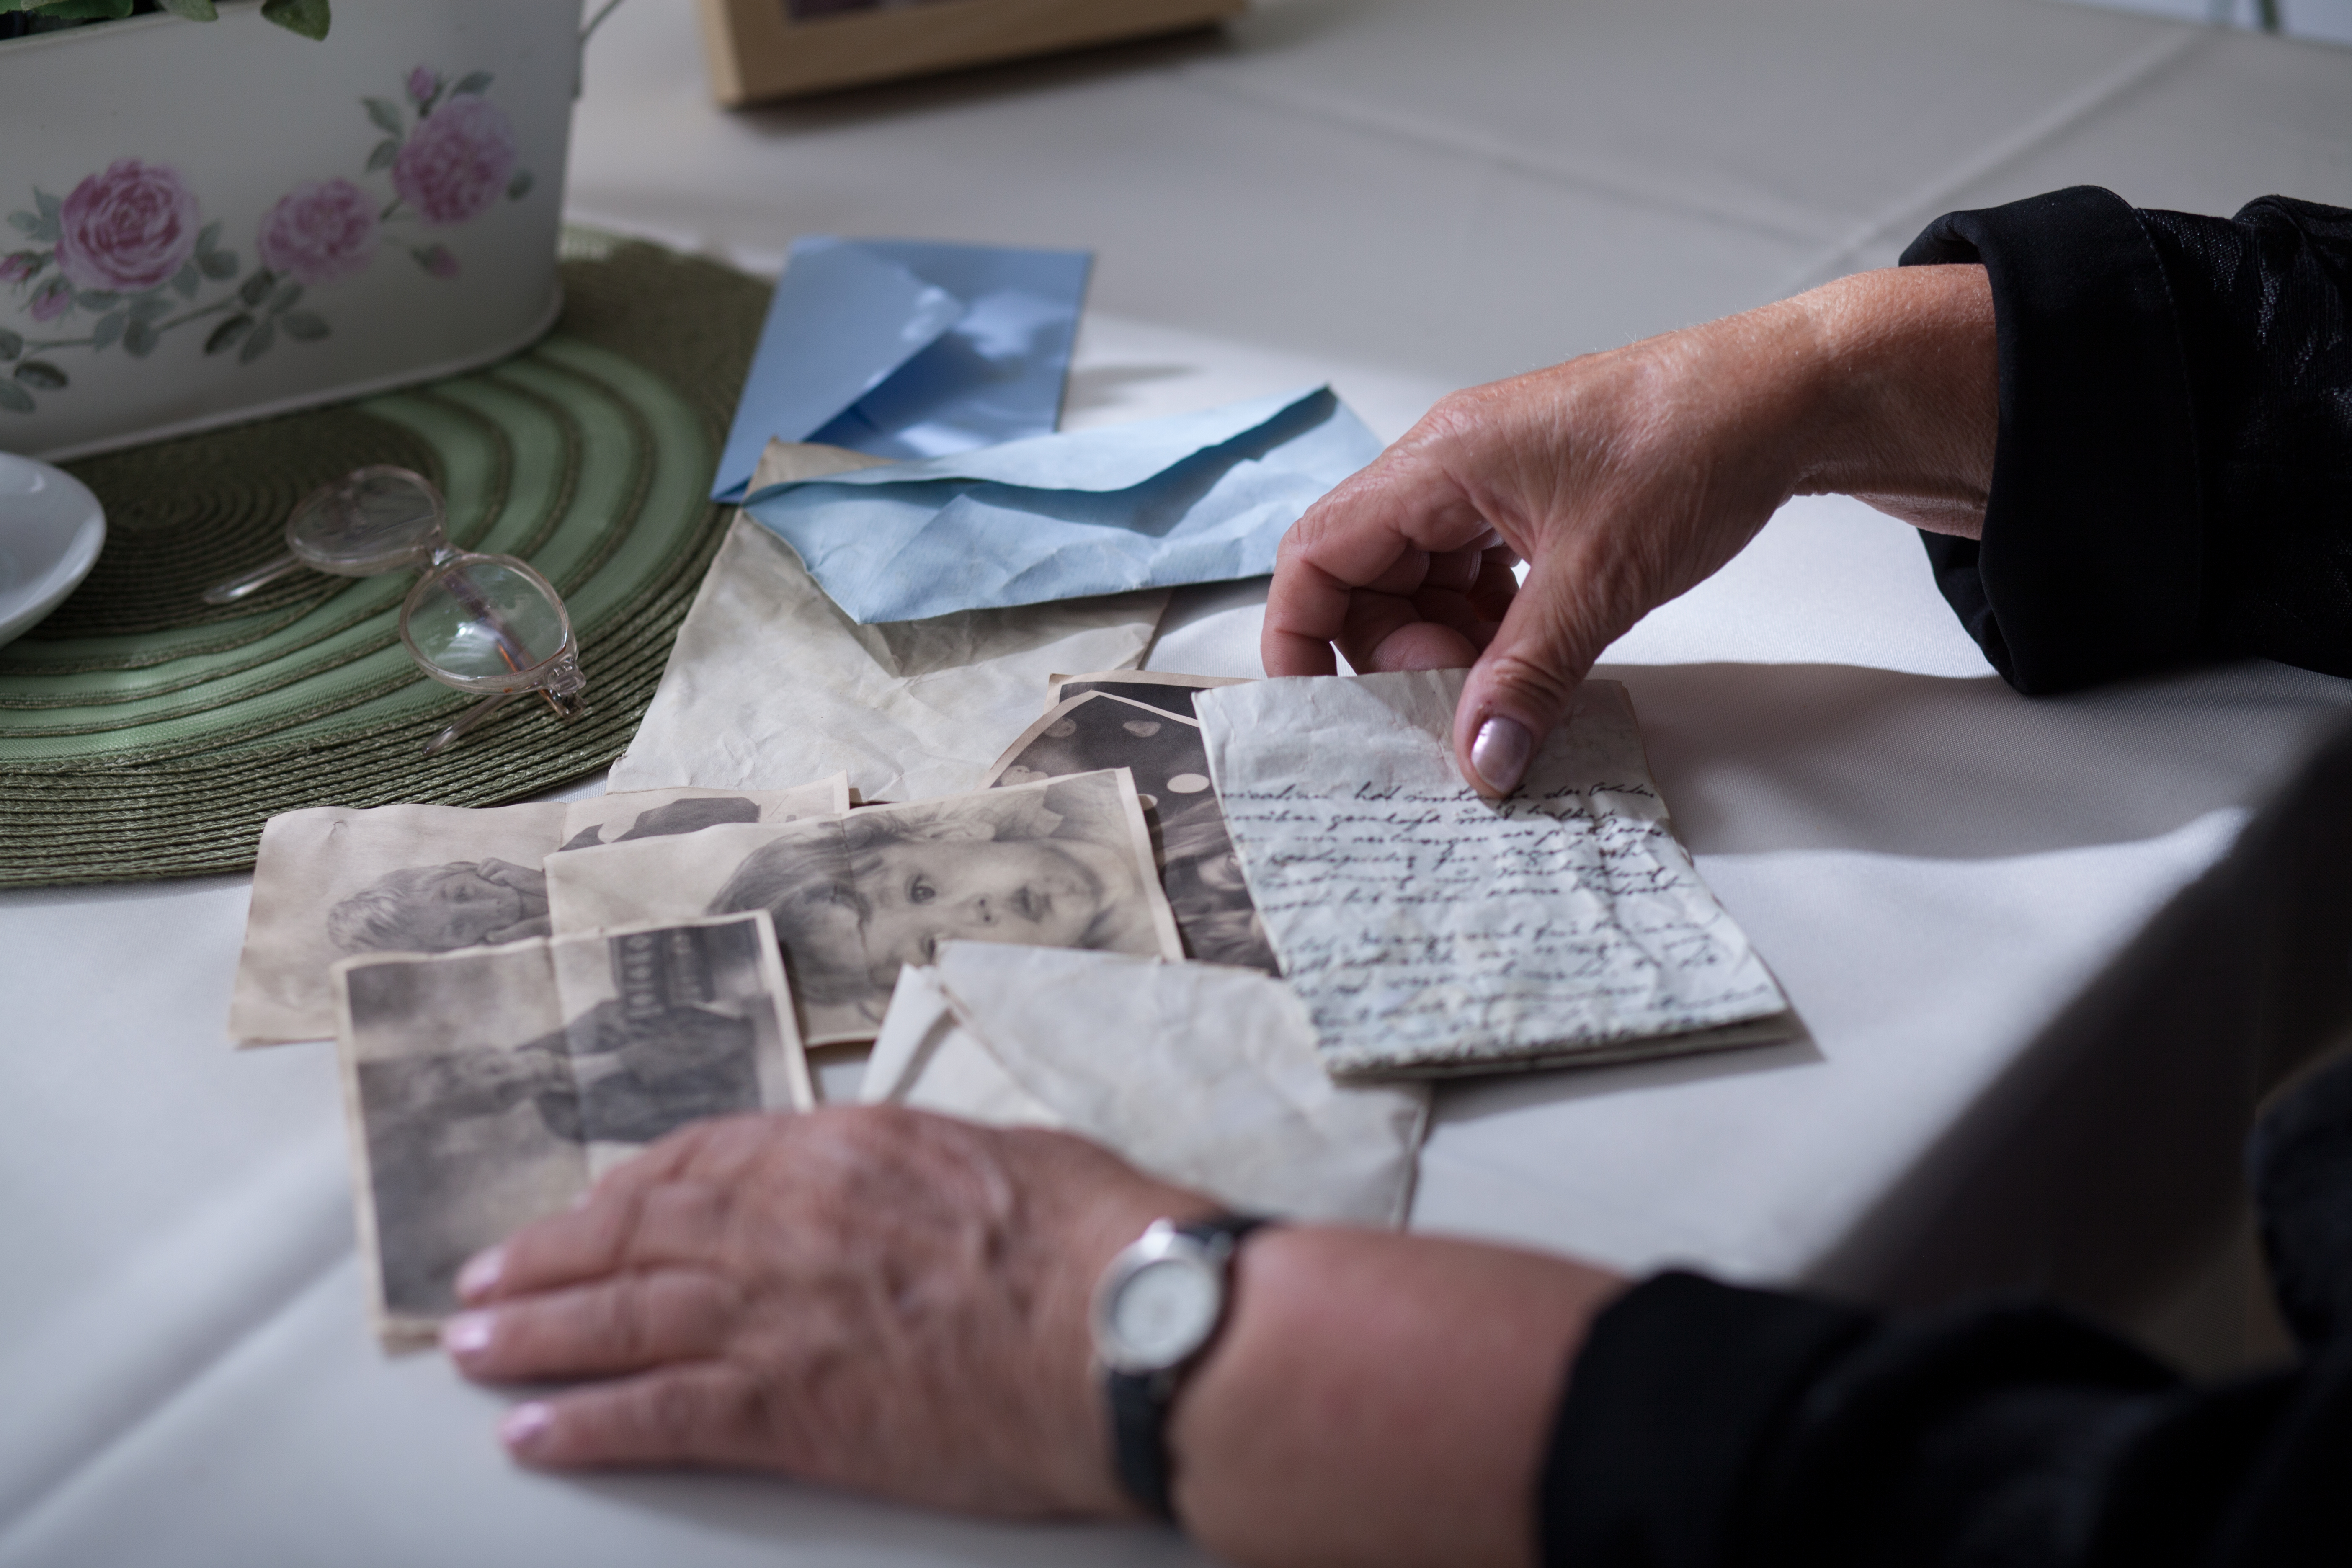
1139	1402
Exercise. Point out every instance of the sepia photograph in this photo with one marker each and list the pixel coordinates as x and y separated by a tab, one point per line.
1168	691
1062	862
489	1088
334	881
1099	727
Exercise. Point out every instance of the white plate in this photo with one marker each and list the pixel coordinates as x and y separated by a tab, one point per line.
50	530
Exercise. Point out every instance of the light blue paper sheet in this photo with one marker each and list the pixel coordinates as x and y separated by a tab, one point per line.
1200	498
908	349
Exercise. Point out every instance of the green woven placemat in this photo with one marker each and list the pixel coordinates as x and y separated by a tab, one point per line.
143	734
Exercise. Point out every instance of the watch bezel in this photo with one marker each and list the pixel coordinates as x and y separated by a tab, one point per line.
1161	1242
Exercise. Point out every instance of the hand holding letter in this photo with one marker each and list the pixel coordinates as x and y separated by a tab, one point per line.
1625	479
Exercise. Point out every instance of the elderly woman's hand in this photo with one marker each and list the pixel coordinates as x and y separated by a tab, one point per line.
876	1297
1623	479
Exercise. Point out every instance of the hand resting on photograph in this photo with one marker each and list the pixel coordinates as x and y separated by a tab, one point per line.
895	1303
1623	479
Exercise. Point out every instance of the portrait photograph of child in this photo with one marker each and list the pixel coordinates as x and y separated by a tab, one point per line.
335	881
1060	863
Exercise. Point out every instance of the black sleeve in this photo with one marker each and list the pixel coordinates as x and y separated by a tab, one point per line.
1706	1426
2173	481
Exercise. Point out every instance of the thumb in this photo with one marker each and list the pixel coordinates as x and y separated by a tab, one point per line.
1523	683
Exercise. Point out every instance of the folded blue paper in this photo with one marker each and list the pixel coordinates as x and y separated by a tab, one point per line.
908	349
1200	498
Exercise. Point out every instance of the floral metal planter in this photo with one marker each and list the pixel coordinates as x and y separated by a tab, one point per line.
209	222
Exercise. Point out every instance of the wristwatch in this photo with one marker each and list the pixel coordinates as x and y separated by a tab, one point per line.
1156	1307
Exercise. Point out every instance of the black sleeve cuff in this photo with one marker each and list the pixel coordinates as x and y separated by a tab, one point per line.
2090	564
1677	1390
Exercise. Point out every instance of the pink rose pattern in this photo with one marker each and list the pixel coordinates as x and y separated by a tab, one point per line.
127	230
318	233
129	247
457	162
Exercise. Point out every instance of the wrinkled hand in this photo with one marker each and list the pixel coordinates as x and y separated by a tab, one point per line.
873	1297
1624	478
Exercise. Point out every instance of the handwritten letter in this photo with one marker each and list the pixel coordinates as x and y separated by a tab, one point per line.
1430	930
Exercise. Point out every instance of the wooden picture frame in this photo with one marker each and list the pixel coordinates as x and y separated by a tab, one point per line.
763	49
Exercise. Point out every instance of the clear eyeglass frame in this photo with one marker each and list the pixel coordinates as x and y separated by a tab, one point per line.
483	624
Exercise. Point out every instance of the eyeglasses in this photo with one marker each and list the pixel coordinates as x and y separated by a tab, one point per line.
477	623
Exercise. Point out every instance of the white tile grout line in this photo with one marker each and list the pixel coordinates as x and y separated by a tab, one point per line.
1916	212
1432	135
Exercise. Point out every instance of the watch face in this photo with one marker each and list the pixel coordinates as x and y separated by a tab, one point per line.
1165	1311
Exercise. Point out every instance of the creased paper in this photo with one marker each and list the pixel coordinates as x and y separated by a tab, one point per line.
1200	1074
1196	498
1430	930
906	349
770	679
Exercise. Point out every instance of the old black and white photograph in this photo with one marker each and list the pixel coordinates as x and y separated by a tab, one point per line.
1063	862
1098	726
488	1087
1167	690
333	882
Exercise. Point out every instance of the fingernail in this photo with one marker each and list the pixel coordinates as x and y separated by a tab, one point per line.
480	1275
525	1429
1499	754
467	1335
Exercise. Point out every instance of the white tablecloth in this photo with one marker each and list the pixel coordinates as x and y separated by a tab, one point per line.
1402	197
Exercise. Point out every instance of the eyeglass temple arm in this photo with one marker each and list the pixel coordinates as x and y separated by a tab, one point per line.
261	576
567	705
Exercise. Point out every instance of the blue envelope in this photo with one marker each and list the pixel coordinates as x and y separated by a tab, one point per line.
1200	498
908	349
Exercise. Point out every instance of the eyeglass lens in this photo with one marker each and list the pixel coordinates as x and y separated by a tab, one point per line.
484	618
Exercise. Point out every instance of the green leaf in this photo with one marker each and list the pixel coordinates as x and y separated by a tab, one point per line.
258	343
96	298
40	372
302	326
11	345
15	398
308	17
150	308
194	10
25	223
44	227
385	113
187	280
385	151
208	238
287	298
106	330
227	333
473	82
257	288
520	186
217	264
140	338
